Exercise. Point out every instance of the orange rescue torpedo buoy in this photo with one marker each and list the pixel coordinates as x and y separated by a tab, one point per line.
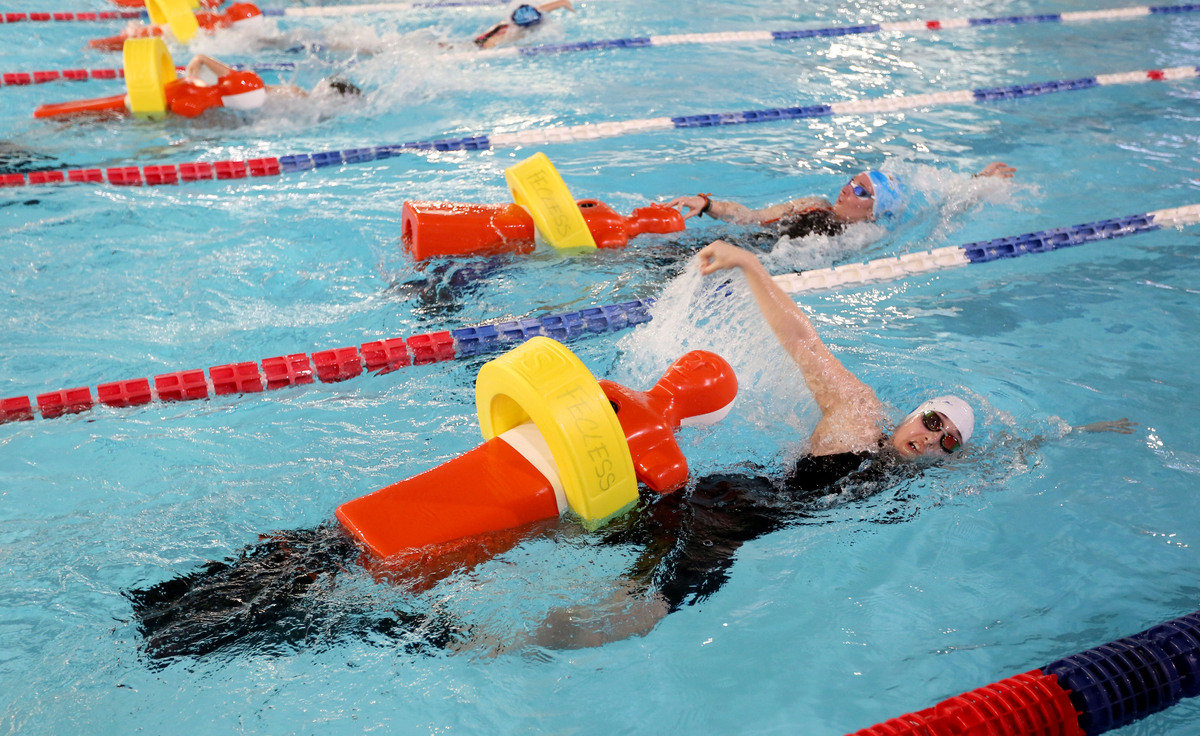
511	480
432	229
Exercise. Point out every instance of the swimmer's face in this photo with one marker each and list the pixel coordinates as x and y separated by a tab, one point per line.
856	200
917	437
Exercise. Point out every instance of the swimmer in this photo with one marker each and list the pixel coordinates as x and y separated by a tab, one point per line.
207	83
210	22
218	71
520	21
869	196
281	590
690	540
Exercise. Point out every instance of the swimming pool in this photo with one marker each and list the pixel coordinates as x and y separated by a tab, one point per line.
1020	552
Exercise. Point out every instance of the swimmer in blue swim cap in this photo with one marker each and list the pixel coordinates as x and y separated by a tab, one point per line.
521	19
869	196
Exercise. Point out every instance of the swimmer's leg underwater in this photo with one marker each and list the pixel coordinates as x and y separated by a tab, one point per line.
260	601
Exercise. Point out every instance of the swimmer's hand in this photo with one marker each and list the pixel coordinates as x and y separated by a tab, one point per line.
1120	426
694	204
998	169
720	256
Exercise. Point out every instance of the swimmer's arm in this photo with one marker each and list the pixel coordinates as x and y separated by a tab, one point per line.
998	169
286	90
1119	426
740	214
626	613
201	61
555	5
850	411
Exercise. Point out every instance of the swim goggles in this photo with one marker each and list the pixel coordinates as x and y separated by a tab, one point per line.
933	422
860	191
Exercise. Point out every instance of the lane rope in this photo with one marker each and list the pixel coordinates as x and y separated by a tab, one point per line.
340	10
328	366
910	26
389	354
1092	692
984	251
14	79
48	17
325	10
276	166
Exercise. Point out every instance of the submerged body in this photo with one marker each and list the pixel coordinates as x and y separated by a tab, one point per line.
266	599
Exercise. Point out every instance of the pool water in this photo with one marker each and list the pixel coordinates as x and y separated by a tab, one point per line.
1035	544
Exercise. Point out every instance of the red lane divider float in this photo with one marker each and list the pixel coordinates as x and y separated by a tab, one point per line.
20	79
44	17
14	79
152	175
327	366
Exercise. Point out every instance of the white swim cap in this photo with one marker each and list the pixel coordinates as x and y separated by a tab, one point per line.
954	409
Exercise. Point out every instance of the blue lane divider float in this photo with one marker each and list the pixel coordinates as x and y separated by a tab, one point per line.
1088	693
274	166
1042	241
731	37
385	355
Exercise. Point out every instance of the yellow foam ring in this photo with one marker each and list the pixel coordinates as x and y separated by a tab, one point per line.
536	186
177	15
148	69
544	382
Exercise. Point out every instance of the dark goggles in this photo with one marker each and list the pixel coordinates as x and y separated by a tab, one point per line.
933	422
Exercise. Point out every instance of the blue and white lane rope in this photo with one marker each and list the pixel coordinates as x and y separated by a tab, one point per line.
591	131
276	166
365	9
1041	241
898	26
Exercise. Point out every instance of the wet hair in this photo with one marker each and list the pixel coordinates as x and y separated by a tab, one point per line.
343	87
817	221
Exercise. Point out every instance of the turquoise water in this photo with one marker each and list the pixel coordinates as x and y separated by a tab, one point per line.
1036	544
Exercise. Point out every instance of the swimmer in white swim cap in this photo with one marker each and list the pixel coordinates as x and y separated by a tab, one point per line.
851	427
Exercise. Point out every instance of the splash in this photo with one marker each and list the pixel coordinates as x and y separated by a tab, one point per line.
774	409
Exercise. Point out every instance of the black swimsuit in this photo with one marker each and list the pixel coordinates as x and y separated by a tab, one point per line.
690	539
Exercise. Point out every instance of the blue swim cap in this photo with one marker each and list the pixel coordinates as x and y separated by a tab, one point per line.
526	15
888	200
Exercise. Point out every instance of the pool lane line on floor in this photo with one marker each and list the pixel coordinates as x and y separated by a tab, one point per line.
278	165
389	354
